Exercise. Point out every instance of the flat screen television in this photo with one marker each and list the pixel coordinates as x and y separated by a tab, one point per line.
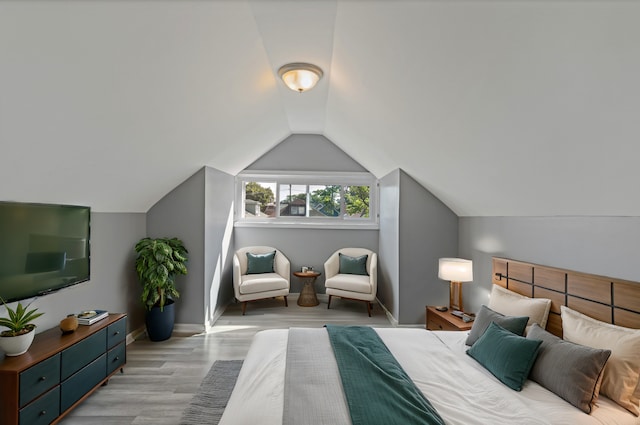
43	248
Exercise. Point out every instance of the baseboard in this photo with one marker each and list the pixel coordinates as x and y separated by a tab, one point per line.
392	320
217	314
136	334
179	329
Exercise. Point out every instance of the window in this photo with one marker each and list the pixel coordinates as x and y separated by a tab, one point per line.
330	199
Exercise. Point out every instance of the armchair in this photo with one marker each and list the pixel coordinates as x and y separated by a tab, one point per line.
350	283
260	283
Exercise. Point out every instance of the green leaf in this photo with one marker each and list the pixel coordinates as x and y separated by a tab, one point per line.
158	261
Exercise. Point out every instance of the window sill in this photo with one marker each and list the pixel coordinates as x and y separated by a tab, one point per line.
281	224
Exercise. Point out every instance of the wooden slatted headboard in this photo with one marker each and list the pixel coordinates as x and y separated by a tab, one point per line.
604	298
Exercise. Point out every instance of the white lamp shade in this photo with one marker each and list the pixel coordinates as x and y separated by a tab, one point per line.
455	269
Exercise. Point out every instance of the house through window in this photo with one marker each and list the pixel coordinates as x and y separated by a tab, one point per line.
307	198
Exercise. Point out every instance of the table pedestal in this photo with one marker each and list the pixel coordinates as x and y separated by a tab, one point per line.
308	297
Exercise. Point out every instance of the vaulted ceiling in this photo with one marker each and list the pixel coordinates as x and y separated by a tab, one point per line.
497	107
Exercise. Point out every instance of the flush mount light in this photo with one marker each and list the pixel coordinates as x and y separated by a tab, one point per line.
300	76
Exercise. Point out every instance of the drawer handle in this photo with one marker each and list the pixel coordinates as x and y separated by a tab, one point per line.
117	358
43	412
116	333
43	378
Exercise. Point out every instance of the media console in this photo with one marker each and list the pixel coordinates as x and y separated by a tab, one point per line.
60	371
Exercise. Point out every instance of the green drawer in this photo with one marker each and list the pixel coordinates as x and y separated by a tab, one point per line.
76	357
39	378
116	357
116	332
42	411
74	388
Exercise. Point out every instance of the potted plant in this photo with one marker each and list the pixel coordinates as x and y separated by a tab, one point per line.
158	262
19	337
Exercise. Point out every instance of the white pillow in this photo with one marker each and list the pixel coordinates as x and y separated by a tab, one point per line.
621	376
513	304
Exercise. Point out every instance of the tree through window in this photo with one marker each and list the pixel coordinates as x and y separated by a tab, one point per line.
281	198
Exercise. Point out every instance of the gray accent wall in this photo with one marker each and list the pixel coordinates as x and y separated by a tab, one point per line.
113	285
196	212
304	246
218	243
389	243
426	231
180	214
306	152
607	246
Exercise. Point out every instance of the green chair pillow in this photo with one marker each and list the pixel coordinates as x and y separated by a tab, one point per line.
509	357
353	265
260	263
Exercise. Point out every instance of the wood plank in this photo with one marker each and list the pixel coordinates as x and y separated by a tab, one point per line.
520	288
591	287
499	266
49	342
554	324
520	271
626	318
549	277
627	295
591	309
557	299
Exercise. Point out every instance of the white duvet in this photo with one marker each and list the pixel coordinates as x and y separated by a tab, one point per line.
460	389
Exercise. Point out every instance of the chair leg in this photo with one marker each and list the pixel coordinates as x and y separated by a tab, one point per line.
368	308
329	303
244	307
286	304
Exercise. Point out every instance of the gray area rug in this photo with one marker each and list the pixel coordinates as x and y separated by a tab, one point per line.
208	403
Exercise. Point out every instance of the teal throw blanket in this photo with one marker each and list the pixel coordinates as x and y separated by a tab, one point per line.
377	389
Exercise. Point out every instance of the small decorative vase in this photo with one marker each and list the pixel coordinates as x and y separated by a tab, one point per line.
16	345
69	324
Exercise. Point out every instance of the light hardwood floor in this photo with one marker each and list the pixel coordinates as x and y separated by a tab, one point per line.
161	377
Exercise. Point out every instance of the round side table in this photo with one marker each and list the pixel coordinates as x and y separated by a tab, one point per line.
307	296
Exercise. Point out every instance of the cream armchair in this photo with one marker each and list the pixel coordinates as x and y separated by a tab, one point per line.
264	284
361	287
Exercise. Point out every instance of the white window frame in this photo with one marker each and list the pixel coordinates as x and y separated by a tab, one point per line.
308	179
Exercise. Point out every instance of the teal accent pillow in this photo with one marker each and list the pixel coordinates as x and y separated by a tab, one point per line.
353	265
485	316
260	263
507	356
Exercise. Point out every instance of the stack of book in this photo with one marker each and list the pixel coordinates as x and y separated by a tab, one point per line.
89	317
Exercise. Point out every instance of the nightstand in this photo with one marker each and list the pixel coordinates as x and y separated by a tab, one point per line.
445	321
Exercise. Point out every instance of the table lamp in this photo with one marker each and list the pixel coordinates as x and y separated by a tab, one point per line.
455	270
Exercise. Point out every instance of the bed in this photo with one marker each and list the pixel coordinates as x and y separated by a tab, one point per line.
291	377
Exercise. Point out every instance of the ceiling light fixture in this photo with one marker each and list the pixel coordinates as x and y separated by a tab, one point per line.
300	76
